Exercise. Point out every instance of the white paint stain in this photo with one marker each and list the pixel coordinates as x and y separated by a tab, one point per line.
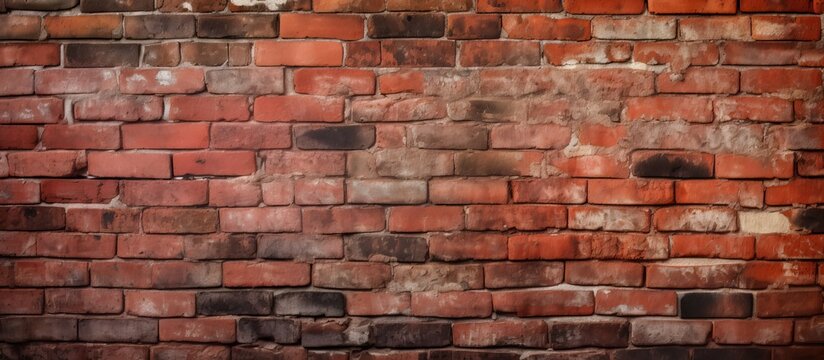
165	77
270	4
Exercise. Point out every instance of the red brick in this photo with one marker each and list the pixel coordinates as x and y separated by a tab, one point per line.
604	7
734	166
470	191
522	333
793	82
204	53
673	108
604	273
377	303
380	191
457	304
116	220
788	303
587	53
773	275
550	191
298	53
428	5
19	192
218	330
180	274
549	247
305	163
640	28
209	108
29	54
334	82
678	55
161	81
84	26
693	7
669	332
401	82
353	275
260	220
630	302
120	274
368	6
713	246
609	218
39	273
811	164
776	6
695	219
165	136
467	246
164	193
754	108
148	303
500	53
215	163
700	81
21	301
130	165
538	27
521	217
18	244
799	191
630	192
76	245
523	274
84	301
233	193
23	137
363	53
18	82
41	110
745	332
712	274
150	246
755	53
265	274
339	220
745	193
544	302
172	220
425	218
323	26
517	6
119	108
32	218
600	166
771	27
319	191
250	136
798	138
81	137
78	191
298	108
789	247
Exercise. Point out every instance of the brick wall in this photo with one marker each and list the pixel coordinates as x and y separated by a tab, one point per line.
411	179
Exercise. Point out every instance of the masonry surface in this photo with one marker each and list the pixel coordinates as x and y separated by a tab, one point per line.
411	179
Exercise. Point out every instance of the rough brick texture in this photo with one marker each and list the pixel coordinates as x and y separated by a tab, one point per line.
411	179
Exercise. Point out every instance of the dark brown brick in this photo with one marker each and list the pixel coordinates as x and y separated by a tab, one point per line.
40	5
20	27
234	246
203	53
281	331
716	305
661	353
96	6
570	335
386	247
32	218
398	25
732	354
310	303
303	247
473	355
411	334
191	5
24	329
421	53
328	333
347	137
681	165
363	53
117	330
237	26
234	303
102	55
468	27
143	27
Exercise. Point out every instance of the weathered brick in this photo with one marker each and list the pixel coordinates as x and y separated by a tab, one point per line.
310	303
570	335
237	26
716	305
282	331
234	303
411	334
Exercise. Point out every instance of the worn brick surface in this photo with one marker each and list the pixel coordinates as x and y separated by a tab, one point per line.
411	179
